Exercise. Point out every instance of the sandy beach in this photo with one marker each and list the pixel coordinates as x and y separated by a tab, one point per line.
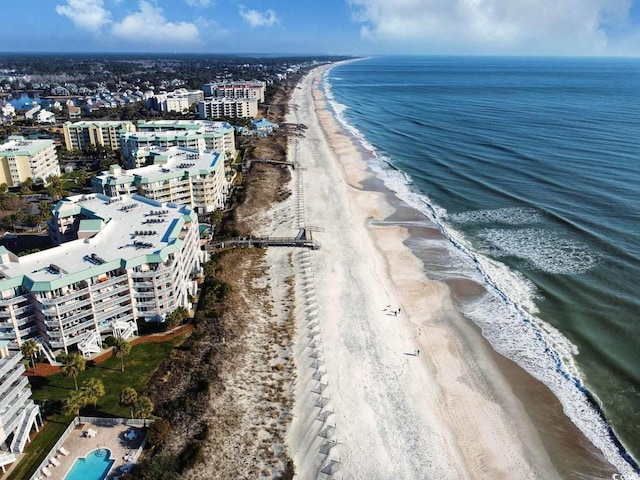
392	382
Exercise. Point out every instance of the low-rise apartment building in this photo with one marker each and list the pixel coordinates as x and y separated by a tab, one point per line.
236	89
194	134
228	107
118	261
179	175
21	159
84	134
18	413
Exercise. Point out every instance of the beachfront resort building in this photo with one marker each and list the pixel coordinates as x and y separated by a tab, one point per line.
228	107
180	175
194	134
118	261
18	413
254	89
85	134
21	159
179	100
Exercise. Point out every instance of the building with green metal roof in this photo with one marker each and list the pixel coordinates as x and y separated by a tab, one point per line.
180	175
118	261
21	159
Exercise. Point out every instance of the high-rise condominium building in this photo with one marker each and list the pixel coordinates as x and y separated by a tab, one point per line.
118	261
84	134
179	175
21	159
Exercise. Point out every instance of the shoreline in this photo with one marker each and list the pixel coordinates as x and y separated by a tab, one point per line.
476	425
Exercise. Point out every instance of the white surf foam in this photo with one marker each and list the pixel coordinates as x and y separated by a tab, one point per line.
543	250
507	216
507	313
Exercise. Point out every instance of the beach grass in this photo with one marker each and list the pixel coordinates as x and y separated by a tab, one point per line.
50	391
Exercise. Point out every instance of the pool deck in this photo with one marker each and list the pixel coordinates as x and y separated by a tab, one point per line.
111	437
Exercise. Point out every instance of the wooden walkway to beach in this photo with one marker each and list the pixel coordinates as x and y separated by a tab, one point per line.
263	242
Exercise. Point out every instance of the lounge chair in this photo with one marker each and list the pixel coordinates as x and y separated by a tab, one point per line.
63	451
54	461
46	471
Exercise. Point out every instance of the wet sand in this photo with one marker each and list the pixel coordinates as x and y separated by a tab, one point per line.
367	404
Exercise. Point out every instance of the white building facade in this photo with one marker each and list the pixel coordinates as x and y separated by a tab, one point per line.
228	107
118	261
18	413
179	175
193	134
254	89
179	100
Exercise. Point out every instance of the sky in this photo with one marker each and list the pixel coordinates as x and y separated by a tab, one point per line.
331	27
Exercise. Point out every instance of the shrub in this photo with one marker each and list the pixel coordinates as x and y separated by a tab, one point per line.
158	432
191	456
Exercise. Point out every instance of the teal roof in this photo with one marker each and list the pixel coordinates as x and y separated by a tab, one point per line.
17	145
90	225
65	208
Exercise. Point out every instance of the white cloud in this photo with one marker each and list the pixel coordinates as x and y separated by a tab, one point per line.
86	14
199	3
492	26
150	25
259	19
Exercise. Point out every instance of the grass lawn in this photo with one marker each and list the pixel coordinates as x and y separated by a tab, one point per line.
139	366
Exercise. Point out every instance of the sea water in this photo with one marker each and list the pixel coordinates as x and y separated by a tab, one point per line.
530	167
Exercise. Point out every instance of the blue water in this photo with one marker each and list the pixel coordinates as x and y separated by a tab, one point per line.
531	169
95	466
24	101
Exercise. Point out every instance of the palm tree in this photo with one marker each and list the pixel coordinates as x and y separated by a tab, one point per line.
93	390
54	186
26	186
29	350
143	408
72	365
121	349
128	398
74	402
45	210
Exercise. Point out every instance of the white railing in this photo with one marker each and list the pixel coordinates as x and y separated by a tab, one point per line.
26	422
55	448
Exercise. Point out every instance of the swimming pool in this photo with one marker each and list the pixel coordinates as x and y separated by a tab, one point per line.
95	466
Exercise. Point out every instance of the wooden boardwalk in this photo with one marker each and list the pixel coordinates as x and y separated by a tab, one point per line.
263	242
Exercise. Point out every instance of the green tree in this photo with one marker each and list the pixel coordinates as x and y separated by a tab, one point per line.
72	365
4	188
45	210
128	398
26	186
143	408
29	350
93	390
74	402
175	318
158	432
121	349
54	186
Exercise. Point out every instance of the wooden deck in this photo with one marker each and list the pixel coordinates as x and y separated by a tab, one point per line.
263	242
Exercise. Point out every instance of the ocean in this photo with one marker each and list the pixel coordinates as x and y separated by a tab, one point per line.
530	167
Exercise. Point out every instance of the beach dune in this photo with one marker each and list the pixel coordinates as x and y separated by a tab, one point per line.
392	382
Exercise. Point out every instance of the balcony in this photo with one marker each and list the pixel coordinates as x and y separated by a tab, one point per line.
110	281
19	401
9	395
6	364
110	291
13	300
